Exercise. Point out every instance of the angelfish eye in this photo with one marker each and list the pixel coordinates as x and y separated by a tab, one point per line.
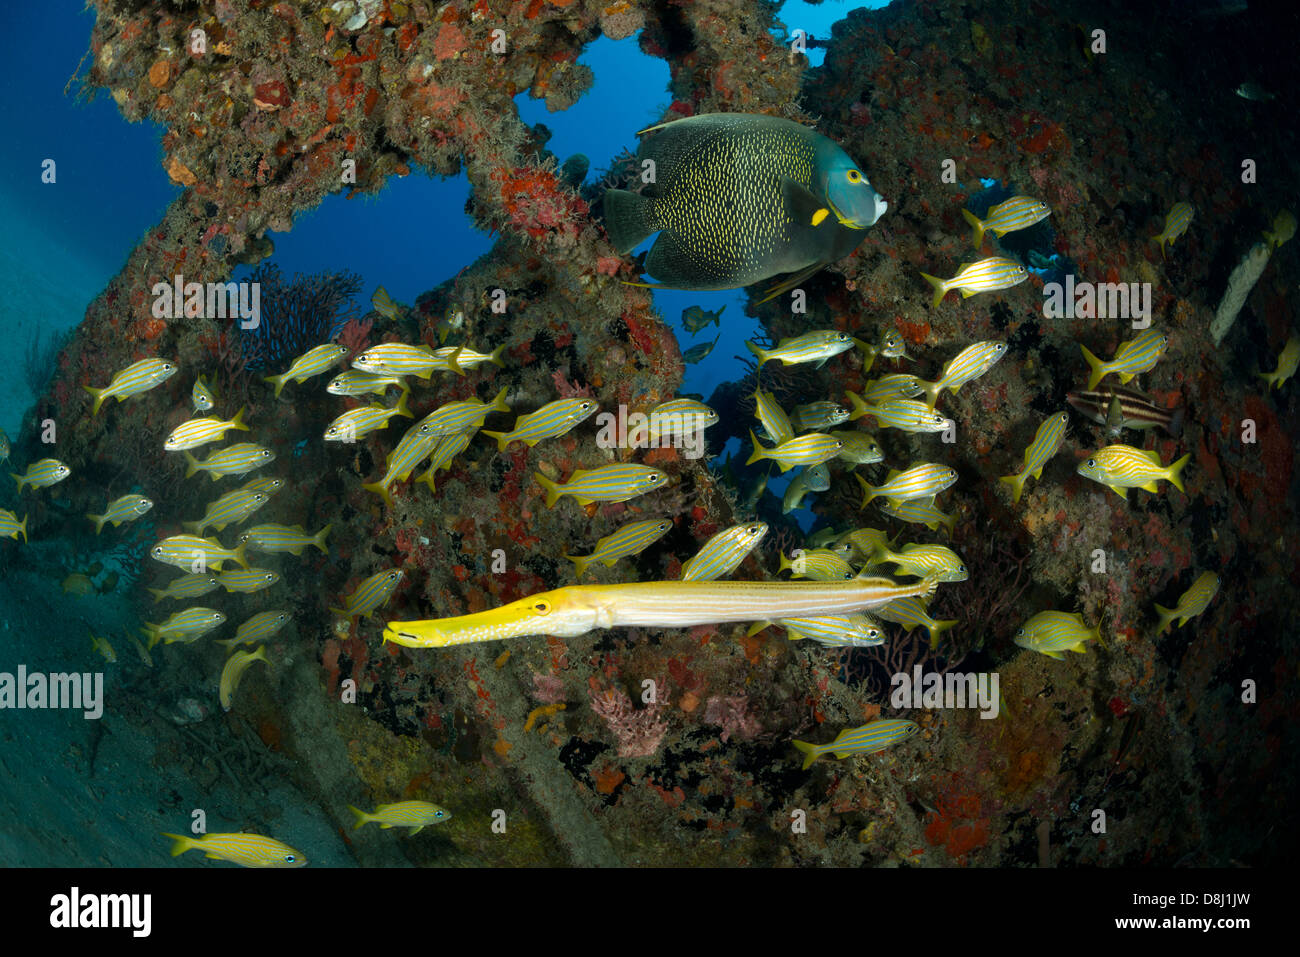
853	176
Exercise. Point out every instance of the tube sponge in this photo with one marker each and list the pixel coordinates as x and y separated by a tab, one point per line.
1240	283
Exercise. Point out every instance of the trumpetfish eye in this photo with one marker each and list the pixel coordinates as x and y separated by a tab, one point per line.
542	607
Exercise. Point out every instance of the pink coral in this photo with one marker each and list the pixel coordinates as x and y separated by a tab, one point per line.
548	689
638	731
355	334
732	713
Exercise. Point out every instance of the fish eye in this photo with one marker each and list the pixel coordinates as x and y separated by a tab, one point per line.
437	814
961	568
1091	463
270	577
289	859
393	576
853	176
157	552
662	526
542	607
167	367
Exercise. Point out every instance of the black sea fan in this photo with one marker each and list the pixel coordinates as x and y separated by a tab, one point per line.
297	316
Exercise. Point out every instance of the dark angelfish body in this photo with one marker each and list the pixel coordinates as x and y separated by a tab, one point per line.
739	198
1120	408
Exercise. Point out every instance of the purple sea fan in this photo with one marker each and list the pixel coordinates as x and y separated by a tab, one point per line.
297	316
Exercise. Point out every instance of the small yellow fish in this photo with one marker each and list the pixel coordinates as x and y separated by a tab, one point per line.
385	305
811	449
134	379
247	850
11	527
872	737
234	669
983	276
416	815
311	363
42	474
1052	632
1283	229
1122	467
1175	225
201	395
77	584
125	509
104	648
200	431
1287	360
1193	601
609	483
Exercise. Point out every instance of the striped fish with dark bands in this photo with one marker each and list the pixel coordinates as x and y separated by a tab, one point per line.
1124	408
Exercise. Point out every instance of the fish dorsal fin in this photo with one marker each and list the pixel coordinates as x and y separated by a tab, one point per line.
891	473
1154	456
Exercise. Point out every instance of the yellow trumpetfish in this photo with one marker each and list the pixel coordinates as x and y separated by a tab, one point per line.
578	609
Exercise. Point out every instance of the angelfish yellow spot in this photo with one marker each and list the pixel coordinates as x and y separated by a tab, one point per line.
819	216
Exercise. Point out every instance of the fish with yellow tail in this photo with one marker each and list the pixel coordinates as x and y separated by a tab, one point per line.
233	672
102	646
42	474
1122	467
550	421
246	850
1176	223
414	448
11	527
1283	229
183	626
202	396
1193	601
610	483
1047	442
195	554
417	815
815	347
970	363
888	345
1132	357
201	431
922	481
311	363
911	612
631	539
868	739
1052	632
136	378
238	459
723	552
463	416
1018	212
987	275
401	359
1287	360
125	509
385	305
577	609
811	449
371	594
354	382
772	417
444	453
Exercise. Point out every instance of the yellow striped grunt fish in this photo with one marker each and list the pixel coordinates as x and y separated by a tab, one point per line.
11	527
187	586
354	382
550	421
400	359
819	415
448	447
125	509
238	459
1175	225
467	358
246	850
924	480
233	672
857	630
938	561
284	538
1122	467
188	551
1193	601
230	509
868	739
772	417
1018	212
464	416
184	626
385	305
679	417
970	363
889	345
739	198
819	564
722	553
810	347
906	415
1047	442
42	474
865	544
102	646
136	378
1133	356
577	609
1287	361
911	612
263	625
268	485
986	275
1052	632
371	593
899	385
247	579
201	395
413	449
631	539
311	363
609	483
361	421
921	512
201	431
859	448
416	815
811	449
